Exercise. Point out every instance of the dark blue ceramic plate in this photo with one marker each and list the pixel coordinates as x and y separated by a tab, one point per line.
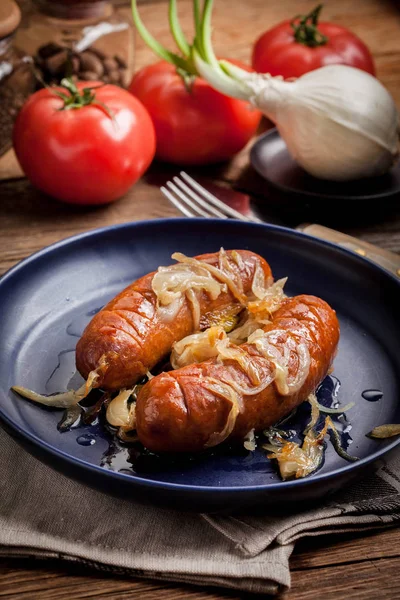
47	300
271	159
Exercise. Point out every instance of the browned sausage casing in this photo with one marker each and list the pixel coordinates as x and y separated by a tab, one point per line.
176	412
132	337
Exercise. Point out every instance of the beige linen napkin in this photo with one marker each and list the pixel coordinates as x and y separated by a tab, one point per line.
45	514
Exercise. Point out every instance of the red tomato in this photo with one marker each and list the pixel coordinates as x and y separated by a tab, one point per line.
277	52
196	126
83	155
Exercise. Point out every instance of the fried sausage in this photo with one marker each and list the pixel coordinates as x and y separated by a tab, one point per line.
130	336
186	410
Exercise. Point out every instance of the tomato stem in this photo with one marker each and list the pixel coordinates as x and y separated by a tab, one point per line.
187	78
77	98
306	31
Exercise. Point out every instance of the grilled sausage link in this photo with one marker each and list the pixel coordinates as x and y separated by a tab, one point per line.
130	335
183	410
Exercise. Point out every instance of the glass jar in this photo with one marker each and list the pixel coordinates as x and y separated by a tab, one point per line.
84	39
16	77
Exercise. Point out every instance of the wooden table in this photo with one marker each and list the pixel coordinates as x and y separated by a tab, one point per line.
365	566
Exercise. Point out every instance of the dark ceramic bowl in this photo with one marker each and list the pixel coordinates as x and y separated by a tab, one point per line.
271	159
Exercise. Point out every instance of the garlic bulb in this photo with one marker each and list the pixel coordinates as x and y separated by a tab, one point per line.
338	122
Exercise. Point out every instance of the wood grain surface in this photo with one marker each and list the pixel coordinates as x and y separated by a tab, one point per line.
332	568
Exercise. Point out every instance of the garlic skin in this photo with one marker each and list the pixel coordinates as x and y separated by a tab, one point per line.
338	122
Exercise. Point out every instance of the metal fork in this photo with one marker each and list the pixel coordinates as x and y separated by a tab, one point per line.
193	200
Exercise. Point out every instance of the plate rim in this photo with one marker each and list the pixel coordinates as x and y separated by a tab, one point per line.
297	192
168	486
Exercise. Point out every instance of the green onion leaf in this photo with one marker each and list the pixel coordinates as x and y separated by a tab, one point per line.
176	29
205	35
158	48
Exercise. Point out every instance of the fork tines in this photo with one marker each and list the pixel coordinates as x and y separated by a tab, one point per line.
193	200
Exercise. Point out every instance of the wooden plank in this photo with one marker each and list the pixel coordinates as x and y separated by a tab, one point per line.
341	550
369	580
30	220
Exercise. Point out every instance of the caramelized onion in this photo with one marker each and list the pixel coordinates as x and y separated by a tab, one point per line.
279	356
171	284
120	413
315	412
196	348
269	301
259	381
258	286
259	311
225	267
299	461
219	275
238	259
249	441
188	278
229	351
385	431
241	333
65	399
223	390
215	343
168	313
195	307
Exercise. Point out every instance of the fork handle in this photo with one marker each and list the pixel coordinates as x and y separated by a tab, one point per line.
388	260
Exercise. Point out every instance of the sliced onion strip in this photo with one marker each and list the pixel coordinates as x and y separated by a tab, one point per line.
249	441
315	412
225	267
65	399
238	259
242	333
120	413
385	431
251	391
258	286
197	347
335	411
229	351
264	342
219	275
195	307
223	390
